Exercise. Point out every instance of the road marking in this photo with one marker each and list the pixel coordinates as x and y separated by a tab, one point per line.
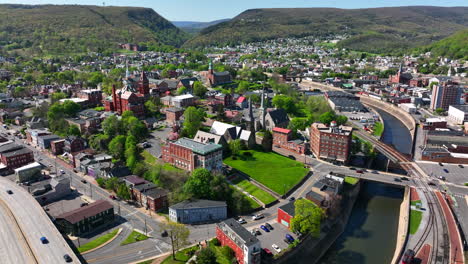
132	213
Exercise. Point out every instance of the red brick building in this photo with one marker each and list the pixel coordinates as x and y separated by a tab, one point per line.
188	154
56	147
173	114
150	196
130	98
282	139
434	123
218	78
13	156
246	246
94	96
331	143
285	213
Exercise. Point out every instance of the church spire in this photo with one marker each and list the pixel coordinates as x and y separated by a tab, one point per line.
449	74
127	73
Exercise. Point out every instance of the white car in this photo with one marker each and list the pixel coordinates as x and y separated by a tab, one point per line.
241	221
257	216
275	247
62	171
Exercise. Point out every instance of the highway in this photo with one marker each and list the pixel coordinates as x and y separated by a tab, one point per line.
34	224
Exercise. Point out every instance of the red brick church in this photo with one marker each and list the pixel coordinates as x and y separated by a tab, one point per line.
131	97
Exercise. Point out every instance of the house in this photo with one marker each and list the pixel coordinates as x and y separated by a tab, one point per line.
93	96
133	180
198	211
56	146
86	219
242	102
188	154
173	114
247	247
43	142
73	144
36	123
187	83
33	134
13	156
282	139
324	190
150	196
285	214
230	132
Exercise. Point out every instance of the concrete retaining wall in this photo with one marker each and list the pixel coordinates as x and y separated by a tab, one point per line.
403	227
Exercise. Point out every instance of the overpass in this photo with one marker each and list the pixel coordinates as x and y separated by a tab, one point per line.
27	223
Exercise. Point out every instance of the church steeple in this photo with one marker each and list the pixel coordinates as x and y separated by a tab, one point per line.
127	73
210	67
449	74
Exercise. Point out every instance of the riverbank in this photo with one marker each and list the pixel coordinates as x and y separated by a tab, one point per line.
403	226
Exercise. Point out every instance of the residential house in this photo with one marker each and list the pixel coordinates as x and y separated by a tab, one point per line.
198	211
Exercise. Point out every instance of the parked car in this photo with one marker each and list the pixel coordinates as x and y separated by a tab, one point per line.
359	171
442	178
460	166
83	204
446	171
241	221
352	168
397	179
275	247
44	240
257	216
9	191
432	183
67	258
264	228
267	251
269	226
84	181
441	164
289	237
62	171
404	178
375	172
257	231
292	199
112	197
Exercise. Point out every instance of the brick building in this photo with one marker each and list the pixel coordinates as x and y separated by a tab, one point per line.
331	143
150	196
188	154
13	156
282	139
285	213
74	144
56	146
246	246
173	114
94	96
218	78
444	95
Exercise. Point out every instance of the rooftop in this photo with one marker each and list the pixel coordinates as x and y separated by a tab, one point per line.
233	226
192	204
463	108
288	208
84	212
281	130
198	147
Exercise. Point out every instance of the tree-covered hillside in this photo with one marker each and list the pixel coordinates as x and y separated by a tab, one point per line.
374	30
58	29
453	47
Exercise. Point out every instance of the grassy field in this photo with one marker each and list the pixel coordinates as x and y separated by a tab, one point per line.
351	180
135	236
98	241
220	257
378	129
274	171
181	256
415	202
252	203
415	220
153	161
260	194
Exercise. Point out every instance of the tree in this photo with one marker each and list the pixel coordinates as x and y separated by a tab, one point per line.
111	183
57	96
181	90
117	147
267	141
112	126
308	217
199	89
439	111
193	121
123	192
199	184
341	120
235	147
284	102
242	87
206	256
299	123
327	117
98	142
70	108
177	233
73	130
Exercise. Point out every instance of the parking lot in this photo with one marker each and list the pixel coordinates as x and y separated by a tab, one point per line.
452	172
356	118
275	236
158	136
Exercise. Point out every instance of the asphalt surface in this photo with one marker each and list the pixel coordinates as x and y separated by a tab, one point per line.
35	224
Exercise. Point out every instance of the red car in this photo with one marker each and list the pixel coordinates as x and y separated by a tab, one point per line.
112	197
267	251
359	171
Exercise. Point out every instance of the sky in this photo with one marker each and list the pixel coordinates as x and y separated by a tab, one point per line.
209	10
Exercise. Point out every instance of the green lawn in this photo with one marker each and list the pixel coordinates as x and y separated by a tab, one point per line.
415	202
181	256
252	203
135	236
415	220
378	129
260	194
274	171
153	161
220	258
351	180
98	241
146	261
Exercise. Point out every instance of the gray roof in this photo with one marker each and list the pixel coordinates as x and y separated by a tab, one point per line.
463	108
197	147
17	152
236	228
9	147
289	208
192	204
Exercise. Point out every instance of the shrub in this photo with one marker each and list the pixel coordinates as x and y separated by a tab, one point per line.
466	183
227	252
248	154
215	242
101	182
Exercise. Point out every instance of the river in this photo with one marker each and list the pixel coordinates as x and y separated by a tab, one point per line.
370	236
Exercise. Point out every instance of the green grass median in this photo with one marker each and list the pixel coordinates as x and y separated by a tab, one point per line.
134	237
415	220
98	241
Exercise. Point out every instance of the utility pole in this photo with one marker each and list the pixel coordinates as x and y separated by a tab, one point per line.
145	227
118	210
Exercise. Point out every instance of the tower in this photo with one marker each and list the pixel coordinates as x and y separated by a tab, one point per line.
263	108
127	73
210	68
143	84
449	74
251	117
114	99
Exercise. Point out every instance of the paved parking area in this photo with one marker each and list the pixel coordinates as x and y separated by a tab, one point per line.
158	136
454	173
275	236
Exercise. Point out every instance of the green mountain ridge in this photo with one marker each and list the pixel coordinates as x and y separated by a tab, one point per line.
378	30
58	29
453	47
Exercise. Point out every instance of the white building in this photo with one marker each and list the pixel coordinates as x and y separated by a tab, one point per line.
410	108
458	114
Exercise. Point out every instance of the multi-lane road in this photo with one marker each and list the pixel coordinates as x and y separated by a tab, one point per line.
24	222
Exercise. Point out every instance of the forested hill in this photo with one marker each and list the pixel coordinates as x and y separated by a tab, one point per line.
54	29
373	30
453	47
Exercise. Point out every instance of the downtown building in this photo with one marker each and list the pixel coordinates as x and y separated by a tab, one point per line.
444	95
188	154
331	143
246	246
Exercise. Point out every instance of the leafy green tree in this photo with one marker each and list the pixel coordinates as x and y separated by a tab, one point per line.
327	117
341	120
71	108
181	90
439	111
198	184
235	147
177	233
112	183
206	256
199	89
123	192
267	141
111	126
136	128
242	87
57	96
308	217
98	142
73	130
299	123
117	147
284	102
193	121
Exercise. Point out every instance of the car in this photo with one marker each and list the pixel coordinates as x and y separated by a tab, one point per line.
446	171
432	183
67	258
84	181
269	226
253	232
9	191
404	178
292	199
267	251
287	241
442	178
241	221
352	168
83	204
275	247
62	171
44	240
112	197
397	179
257	217
164	233
408	257
292	157
257	231
75	170
264	228
375	172
289	237
441	164
359	171
460	166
